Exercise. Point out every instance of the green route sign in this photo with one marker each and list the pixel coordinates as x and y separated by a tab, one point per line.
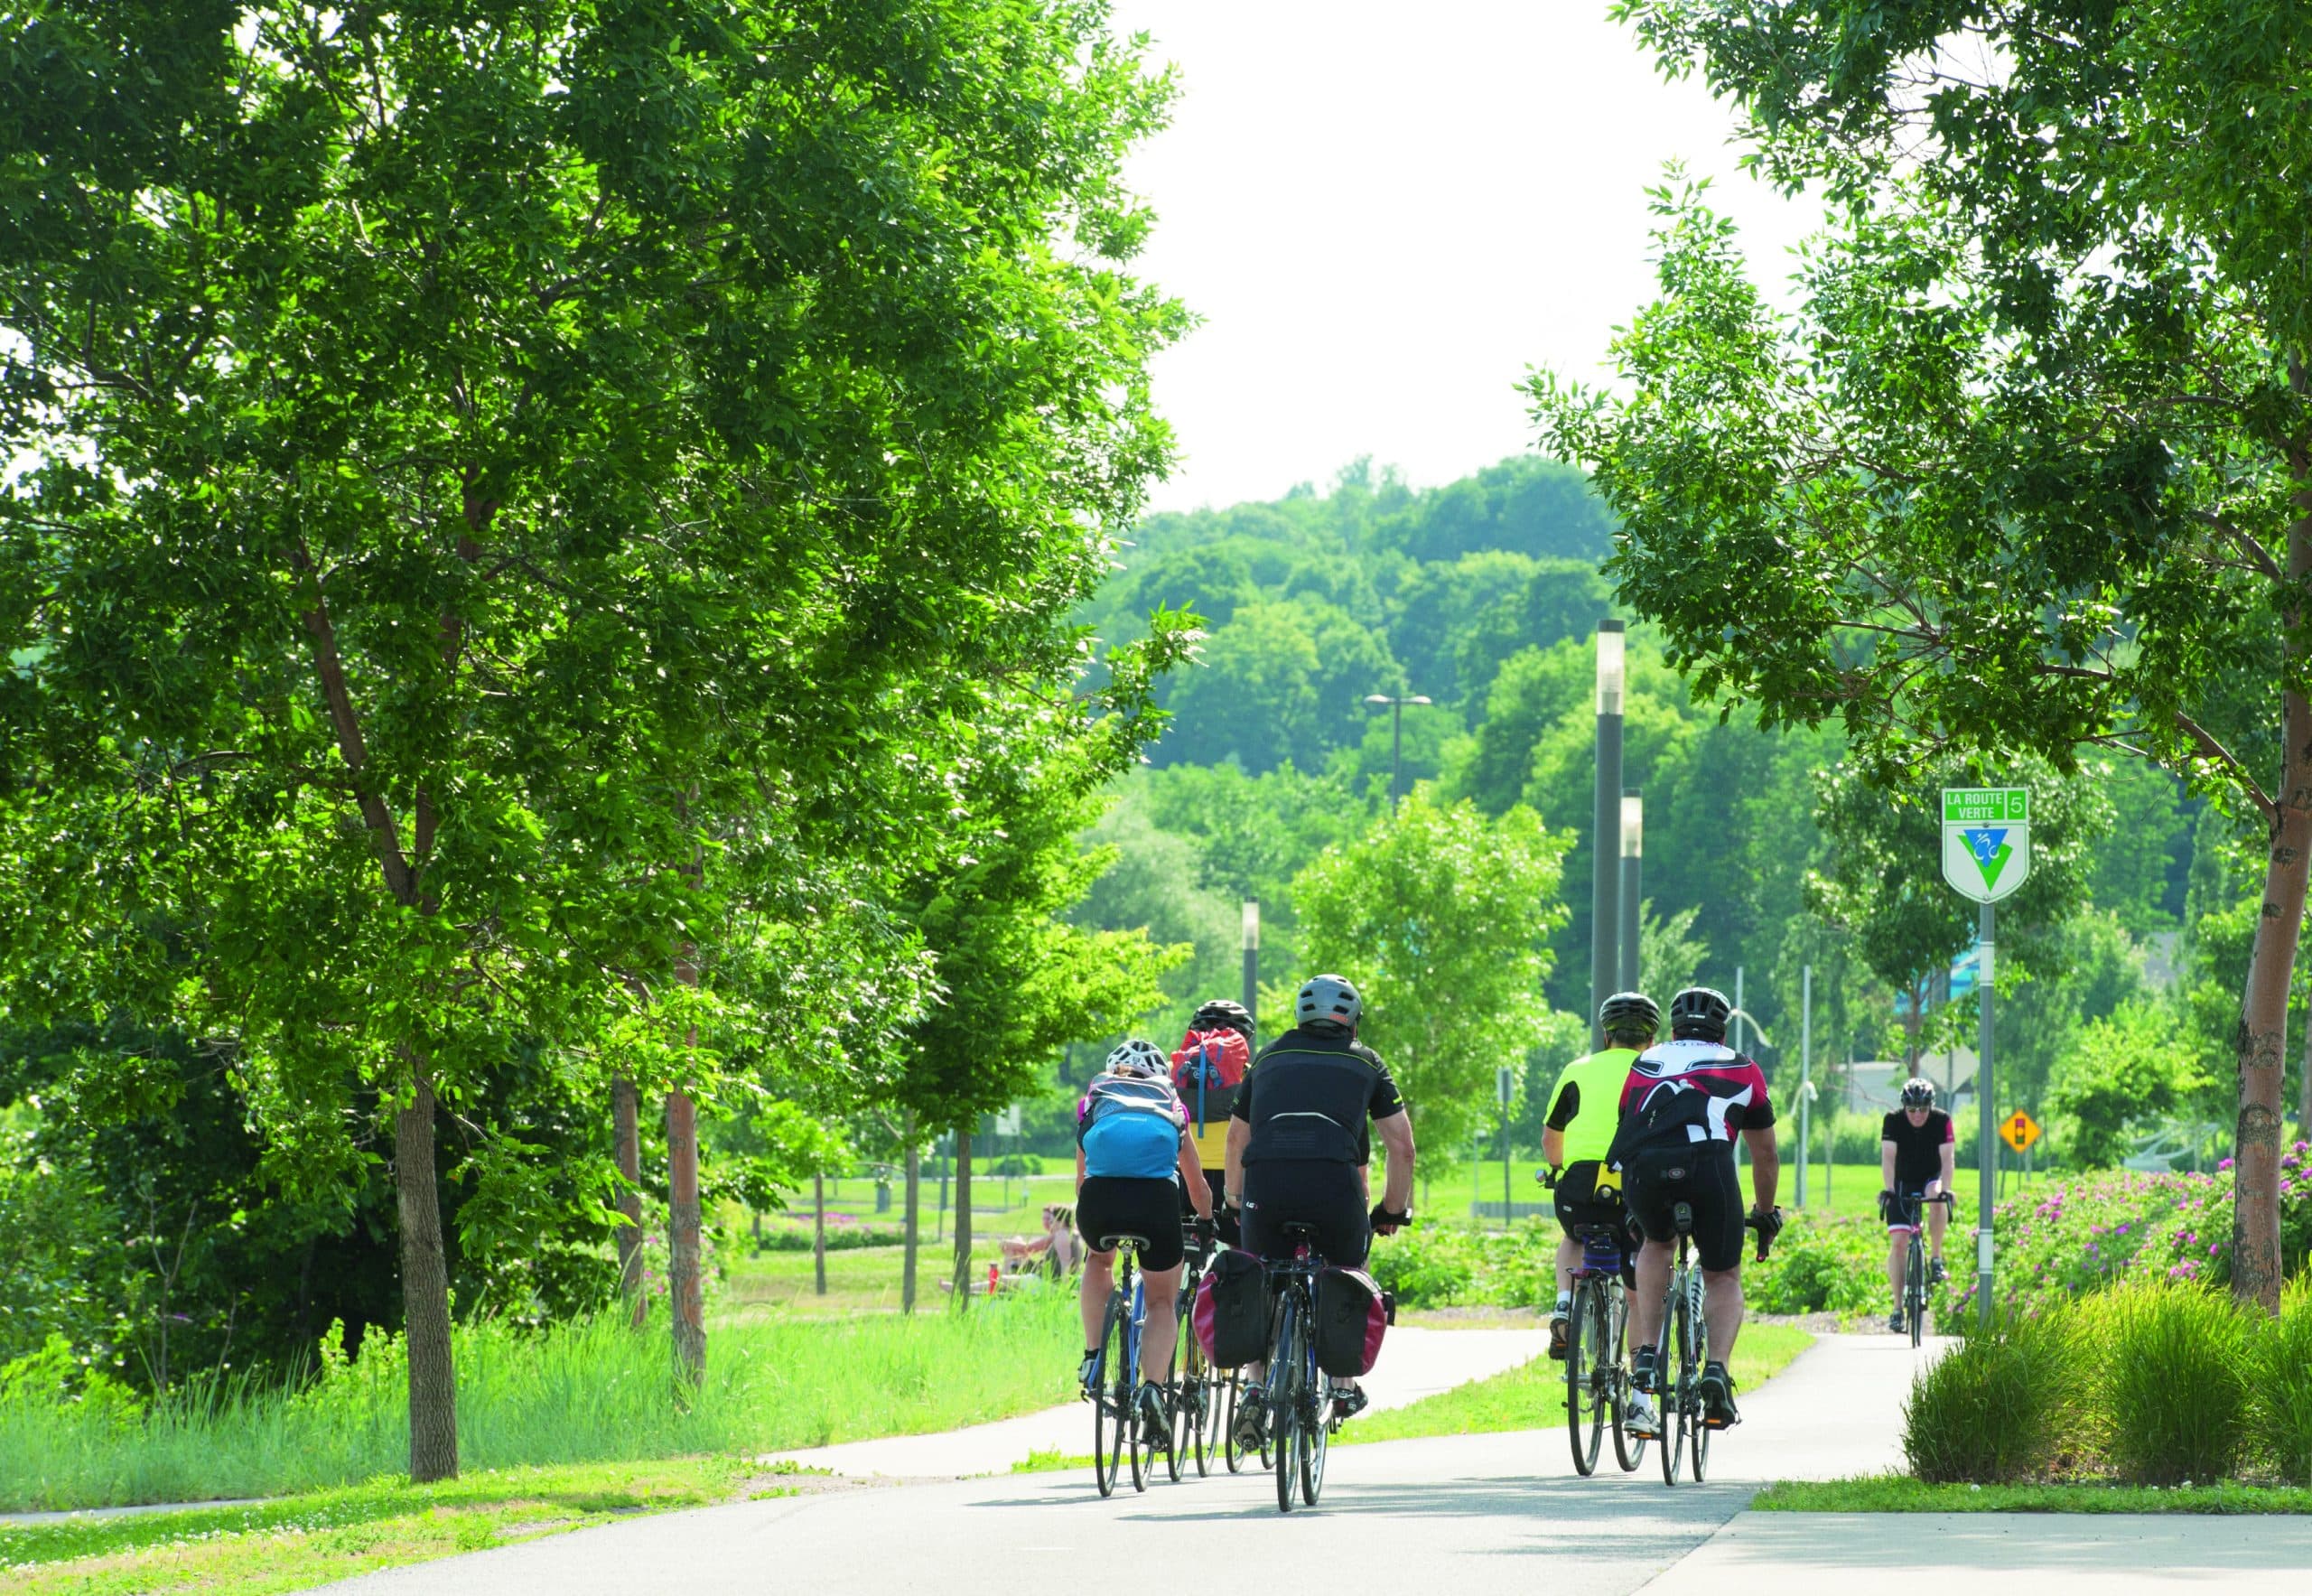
1986	840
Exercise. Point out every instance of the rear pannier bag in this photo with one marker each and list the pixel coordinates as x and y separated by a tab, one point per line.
1352	1315
1231	1311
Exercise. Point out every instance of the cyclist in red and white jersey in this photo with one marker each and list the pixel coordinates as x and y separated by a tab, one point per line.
1682	1105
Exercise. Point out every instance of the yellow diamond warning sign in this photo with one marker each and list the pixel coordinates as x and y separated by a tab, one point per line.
2018	1130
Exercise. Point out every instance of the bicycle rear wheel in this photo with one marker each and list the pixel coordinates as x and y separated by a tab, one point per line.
1315	1430
1230	1452
1665	1389
1283	1403
1696	1322
1108	1416
1585	1408
1629	1450
1172	1436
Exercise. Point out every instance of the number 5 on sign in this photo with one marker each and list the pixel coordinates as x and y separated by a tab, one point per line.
2018	1130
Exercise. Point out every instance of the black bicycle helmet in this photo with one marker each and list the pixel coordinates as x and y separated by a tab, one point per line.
1328	999
1630	1011
1222	1014
1919	1092
1700	1012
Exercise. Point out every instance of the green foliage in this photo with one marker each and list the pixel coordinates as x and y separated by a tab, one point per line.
1441	916
2174	1381
1430	1264
62	1273
1821	1264
1999	1407
2137	1065
1285	681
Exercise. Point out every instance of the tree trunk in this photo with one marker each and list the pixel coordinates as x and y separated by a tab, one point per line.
683	1290
914	1218
625	1132
2304	1086
963	1218
2263	1010
426	1295
819	1233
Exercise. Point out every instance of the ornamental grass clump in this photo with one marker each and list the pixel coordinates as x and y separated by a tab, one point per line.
2000	1407
2173	1382
2279	1358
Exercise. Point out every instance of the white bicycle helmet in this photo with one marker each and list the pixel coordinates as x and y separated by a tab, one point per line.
1137	1058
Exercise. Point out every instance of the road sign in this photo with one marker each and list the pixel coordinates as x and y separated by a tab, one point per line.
1986	840
2018	1130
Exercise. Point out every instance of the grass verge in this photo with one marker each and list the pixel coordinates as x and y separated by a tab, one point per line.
1899	1493
1533	1394
295	1543
592	1392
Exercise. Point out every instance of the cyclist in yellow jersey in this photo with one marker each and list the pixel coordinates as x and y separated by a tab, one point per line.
1585	1107
1211	1137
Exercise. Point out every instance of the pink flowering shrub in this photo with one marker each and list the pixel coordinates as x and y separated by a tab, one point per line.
2069	1237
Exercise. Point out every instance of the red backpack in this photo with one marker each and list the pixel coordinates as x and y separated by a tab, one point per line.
1206	1070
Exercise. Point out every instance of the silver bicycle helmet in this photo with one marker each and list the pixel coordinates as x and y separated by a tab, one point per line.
1919	1092
1328	999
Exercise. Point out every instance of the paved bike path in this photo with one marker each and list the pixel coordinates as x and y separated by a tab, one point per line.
1475	1515
1416	1363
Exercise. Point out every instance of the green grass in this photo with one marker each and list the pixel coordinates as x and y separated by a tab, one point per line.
1899	1493
1533	1394
583	1393
298	1541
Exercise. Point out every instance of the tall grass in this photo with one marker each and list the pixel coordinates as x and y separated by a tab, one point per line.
591	1391
1999	1407
2174	1383
2279	1366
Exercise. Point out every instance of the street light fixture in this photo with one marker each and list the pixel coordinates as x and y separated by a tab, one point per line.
1396	735
1633	865
1605	836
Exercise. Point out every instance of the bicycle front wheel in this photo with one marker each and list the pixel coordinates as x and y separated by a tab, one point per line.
1914	1290
1230	1452
1585	1407
1110	1397
1667	1390
1315	1430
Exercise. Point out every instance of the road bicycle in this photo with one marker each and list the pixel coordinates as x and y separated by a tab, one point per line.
1685	1329
1200	1390
1299	1396
1598	1386
1915	1265
1115	1375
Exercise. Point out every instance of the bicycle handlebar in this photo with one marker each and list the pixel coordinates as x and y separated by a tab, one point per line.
1757	1222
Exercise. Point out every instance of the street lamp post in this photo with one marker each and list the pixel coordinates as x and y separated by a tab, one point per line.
1633	861
1605	839
1396	735
1252	961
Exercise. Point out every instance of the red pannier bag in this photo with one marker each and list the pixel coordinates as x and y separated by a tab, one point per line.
1231	1311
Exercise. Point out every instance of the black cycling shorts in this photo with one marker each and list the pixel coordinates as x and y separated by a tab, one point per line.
1701	1175
1308	1191
1907	1193
1577	1202
1108	1205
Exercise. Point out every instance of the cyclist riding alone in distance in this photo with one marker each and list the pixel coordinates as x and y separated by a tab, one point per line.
1207	1070
1684	1101
1918	1151
1299	1145
1133	1156
1585	1110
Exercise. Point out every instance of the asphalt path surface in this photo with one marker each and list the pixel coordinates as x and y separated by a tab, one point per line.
1468	1515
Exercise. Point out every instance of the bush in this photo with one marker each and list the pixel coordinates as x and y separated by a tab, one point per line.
1820	1265
1432	1265
2282	1405
2174	1383
2000	1407
797	1238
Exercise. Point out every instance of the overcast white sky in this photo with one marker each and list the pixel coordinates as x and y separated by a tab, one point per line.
1386	213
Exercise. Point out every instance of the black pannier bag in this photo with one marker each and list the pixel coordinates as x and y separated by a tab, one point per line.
1352	1313
1230	1310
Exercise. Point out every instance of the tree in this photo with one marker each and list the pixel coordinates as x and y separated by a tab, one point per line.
2131	1065
1881	878
505	505
2031	466
1284	681
1442	919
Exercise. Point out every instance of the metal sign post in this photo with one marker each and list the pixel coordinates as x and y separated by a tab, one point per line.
1986	855
1504	1085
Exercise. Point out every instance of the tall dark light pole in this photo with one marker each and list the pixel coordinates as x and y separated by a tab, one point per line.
1633	851
1605	836
1396	735
1252	961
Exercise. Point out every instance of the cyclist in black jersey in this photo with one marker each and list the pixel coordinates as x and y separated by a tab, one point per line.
1918	1151
1300	1140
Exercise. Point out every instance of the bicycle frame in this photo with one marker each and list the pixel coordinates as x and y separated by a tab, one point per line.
1299	1395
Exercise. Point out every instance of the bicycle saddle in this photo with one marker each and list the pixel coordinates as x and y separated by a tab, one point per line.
1299	1230
1681	1217
1109	1244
